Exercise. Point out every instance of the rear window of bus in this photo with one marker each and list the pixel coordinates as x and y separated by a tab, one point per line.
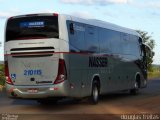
32	27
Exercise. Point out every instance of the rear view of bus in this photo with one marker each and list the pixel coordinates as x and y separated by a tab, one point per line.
33	66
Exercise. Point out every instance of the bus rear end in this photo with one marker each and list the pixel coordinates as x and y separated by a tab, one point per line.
33	66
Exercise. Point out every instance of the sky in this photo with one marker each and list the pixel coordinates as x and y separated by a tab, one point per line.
135	14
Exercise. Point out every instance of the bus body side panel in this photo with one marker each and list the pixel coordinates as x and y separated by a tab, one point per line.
78	73
120	50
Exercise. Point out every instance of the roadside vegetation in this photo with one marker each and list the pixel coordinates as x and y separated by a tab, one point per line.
147	39
2	76
155	72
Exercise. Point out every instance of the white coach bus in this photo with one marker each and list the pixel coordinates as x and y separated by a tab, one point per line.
52	56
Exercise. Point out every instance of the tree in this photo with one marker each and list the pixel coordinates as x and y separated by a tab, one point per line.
147	39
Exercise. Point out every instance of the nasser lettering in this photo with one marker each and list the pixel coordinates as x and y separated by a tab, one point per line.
98	61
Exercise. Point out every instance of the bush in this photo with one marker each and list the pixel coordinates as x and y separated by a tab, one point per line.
2	76
155	73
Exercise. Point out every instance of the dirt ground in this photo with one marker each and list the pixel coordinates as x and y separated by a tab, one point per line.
118	106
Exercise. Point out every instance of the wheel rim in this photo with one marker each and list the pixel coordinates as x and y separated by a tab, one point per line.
136	85
145	82
95	94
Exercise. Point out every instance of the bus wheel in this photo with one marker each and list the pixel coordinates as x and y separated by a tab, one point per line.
95	93
135	90
47	101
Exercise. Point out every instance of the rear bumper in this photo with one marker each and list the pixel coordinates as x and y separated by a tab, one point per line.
45	91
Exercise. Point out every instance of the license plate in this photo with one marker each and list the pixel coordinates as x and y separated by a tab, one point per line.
33	90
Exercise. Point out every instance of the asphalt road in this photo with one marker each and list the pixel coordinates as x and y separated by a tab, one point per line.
110	106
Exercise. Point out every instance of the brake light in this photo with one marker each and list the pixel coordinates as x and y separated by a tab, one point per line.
10	18
62	73
55	14
8	79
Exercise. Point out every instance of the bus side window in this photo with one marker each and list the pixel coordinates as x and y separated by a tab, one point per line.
76	40
91	39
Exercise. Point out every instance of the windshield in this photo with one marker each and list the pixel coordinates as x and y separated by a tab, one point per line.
32	28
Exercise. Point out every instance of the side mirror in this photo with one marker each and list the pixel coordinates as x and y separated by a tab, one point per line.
71	27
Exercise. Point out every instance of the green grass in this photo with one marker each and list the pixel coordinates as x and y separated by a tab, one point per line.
154	75
155	72
2	77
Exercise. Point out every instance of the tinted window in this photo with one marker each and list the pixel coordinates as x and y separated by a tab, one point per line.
32	27
134	46
126	44
76	40
110	41
91	38
105	46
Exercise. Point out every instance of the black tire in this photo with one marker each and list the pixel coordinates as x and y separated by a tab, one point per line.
77	100
95	93
135	90
47	101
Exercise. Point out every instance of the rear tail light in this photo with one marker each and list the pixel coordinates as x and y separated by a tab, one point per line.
8	79
55	14
62	73
10	18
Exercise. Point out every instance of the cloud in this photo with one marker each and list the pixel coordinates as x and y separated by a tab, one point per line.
154	5
154	13
110	14
7	14
4	15
83	14
95	2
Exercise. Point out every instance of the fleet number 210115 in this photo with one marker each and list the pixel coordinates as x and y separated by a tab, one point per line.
32	72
